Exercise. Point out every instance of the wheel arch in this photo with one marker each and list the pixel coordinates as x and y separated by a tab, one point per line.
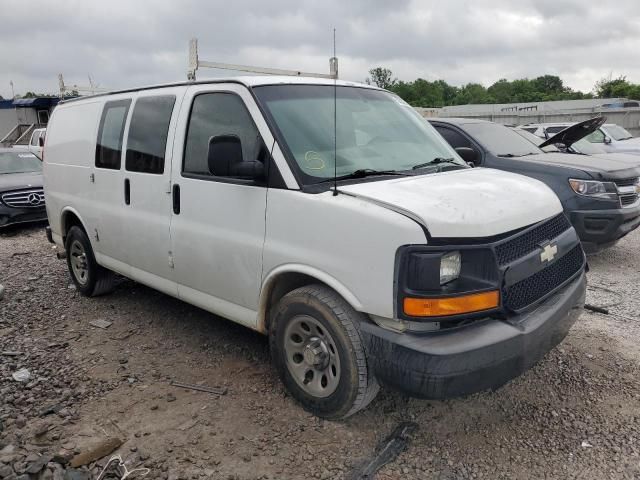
287	278
69	218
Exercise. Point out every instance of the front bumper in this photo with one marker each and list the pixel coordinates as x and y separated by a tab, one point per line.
599	229
11	215
478	357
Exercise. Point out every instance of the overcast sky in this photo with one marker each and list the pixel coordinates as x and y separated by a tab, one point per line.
129	43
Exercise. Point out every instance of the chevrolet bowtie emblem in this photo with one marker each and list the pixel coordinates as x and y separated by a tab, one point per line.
549	252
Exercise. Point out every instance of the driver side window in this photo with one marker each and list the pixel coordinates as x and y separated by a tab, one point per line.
220	117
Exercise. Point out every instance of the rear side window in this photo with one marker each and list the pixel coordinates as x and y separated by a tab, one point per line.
148	133
215	114
109	144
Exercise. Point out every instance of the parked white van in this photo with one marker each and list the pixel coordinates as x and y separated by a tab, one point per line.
414	270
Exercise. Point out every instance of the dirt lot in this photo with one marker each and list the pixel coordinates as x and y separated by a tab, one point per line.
575	415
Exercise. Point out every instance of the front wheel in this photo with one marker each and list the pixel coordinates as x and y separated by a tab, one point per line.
318	352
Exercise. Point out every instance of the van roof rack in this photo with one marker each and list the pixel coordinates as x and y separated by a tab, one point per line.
195	63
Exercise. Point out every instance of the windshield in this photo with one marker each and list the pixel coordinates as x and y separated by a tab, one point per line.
536	140
617	132
585	147
501	140
375	130
19	162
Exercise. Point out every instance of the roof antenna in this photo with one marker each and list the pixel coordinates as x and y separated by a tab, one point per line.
335	124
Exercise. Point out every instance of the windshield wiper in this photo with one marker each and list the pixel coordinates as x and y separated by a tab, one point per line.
364	172
513	155
435	161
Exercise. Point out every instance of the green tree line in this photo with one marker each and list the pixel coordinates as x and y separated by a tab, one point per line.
438	93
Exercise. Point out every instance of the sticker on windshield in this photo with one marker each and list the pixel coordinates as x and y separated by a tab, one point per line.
314	161
26	155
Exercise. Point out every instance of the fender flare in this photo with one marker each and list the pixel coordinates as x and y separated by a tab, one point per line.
69	209
271	278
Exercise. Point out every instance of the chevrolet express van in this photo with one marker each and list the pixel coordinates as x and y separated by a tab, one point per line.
329	217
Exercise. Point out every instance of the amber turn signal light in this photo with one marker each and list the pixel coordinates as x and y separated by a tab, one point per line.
440	307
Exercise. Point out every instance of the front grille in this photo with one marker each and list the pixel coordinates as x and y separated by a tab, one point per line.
627	182
626	200
530	241
32	198
628	191
531	289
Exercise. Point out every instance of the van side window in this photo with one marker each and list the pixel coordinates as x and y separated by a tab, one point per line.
110	133
148	132
213	115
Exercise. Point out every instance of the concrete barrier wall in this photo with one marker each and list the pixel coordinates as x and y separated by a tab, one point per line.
628	118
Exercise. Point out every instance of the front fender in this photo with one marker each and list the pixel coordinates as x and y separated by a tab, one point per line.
272	277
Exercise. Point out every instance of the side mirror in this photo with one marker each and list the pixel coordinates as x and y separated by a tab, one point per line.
469	155
225	159
607	140
253	170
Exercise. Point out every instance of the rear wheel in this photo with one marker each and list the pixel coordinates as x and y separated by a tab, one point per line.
89	278
318	352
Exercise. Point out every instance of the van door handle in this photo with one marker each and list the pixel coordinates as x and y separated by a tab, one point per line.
127	192
176	199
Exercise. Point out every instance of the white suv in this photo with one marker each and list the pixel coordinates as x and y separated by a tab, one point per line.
330	217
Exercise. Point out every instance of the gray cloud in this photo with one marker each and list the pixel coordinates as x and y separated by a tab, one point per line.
126	43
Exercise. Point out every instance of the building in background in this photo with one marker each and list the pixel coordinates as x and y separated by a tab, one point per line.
20	116
621	111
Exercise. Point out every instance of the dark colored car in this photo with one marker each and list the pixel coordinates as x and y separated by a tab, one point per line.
602	199
21	190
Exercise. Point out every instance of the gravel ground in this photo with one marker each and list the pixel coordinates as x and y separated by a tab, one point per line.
575	415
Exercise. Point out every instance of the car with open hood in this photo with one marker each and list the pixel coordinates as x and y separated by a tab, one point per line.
601	198
21	191
573	139
325	214
609	137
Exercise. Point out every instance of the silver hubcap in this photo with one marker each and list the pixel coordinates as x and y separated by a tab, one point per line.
78	262
312	356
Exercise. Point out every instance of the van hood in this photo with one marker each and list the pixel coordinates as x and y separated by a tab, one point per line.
469	203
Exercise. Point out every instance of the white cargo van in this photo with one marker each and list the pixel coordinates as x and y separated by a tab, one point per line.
395	264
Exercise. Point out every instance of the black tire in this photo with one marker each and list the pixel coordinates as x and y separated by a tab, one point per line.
355	387
96	279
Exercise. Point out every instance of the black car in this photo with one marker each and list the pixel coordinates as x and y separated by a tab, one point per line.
21	187
602	199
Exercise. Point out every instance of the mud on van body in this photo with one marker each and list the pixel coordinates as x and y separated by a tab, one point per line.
414	271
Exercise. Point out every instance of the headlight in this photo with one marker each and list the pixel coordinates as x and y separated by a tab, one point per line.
593	188
423	269
450	265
